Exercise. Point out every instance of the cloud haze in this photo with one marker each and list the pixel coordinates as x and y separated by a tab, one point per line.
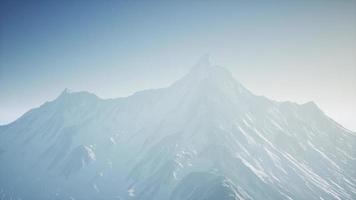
298	51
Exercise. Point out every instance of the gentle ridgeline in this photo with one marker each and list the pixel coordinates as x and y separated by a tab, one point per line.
205	137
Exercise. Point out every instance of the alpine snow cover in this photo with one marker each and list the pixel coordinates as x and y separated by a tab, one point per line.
205	137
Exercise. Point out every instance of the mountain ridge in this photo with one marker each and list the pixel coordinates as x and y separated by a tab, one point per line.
146	145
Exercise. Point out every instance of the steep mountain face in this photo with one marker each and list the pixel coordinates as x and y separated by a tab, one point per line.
204	137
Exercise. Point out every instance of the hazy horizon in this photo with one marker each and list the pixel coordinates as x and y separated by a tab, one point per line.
287	51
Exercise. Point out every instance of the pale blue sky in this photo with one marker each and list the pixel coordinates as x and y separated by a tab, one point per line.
285	50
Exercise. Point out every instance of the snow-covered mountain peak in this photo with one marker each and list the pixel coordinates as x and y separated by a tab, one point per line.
69	94
66	91
208	77
205	134
205	69
204	61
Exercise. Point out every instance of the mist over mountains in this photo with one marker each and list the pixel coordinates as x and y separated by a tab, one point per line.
205	137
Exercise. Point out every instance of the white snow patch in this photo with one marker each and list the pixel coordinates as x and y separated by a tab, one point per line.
259	172
96	188
90	152
276	160
323	155
112	140
346	154
131	192
250	139
312	177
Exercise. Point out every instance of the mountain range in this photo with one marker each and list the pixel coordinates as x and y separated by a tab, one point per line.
205	137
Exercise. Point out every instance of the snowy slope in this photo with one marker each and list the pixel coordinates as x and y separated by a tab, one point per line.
205	134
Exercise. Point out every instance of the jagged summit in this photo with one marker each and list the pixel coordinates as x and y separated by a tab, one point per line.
205	75
204	72
205	69
67	94
204	61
